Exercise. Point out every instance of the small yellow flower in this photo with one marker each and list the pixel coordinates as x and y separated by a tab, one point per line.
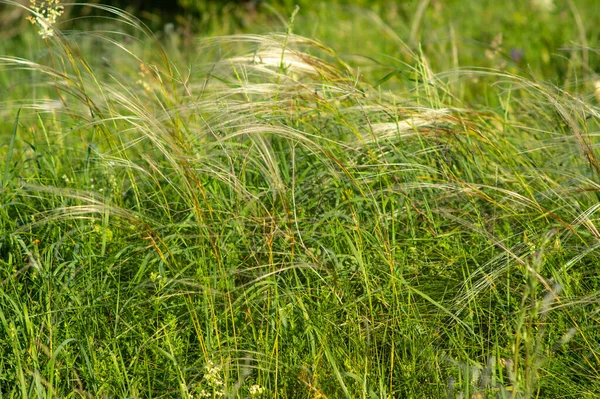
155	276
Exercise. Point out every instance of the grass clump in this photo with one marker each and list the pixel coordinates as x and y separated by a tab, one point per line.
267	221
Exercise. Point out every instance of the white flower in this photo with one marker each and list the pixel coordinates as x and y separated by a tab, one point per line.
45	14
213	374
256	390
204	394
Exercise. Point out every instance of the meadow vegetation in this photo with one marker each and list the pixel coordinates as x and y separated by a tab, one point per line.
365	200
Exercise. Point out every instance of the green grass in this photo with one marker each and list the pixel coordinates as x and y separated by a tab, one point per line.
355	206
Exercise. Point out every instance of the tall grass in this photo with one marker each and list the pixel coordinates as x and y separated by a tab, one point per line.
267	221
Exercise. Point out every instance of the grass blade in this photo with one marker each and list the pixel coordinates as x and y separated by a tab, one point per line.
11	148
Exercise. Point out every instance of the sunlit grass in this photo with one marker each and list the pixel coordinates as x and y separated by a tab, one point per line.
265	219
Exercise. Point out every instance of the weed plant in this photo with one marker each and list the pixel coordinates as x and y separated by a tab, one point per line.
262	219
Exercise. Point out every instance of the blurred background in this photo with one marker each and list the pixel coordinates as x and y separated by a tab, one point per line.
550	39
